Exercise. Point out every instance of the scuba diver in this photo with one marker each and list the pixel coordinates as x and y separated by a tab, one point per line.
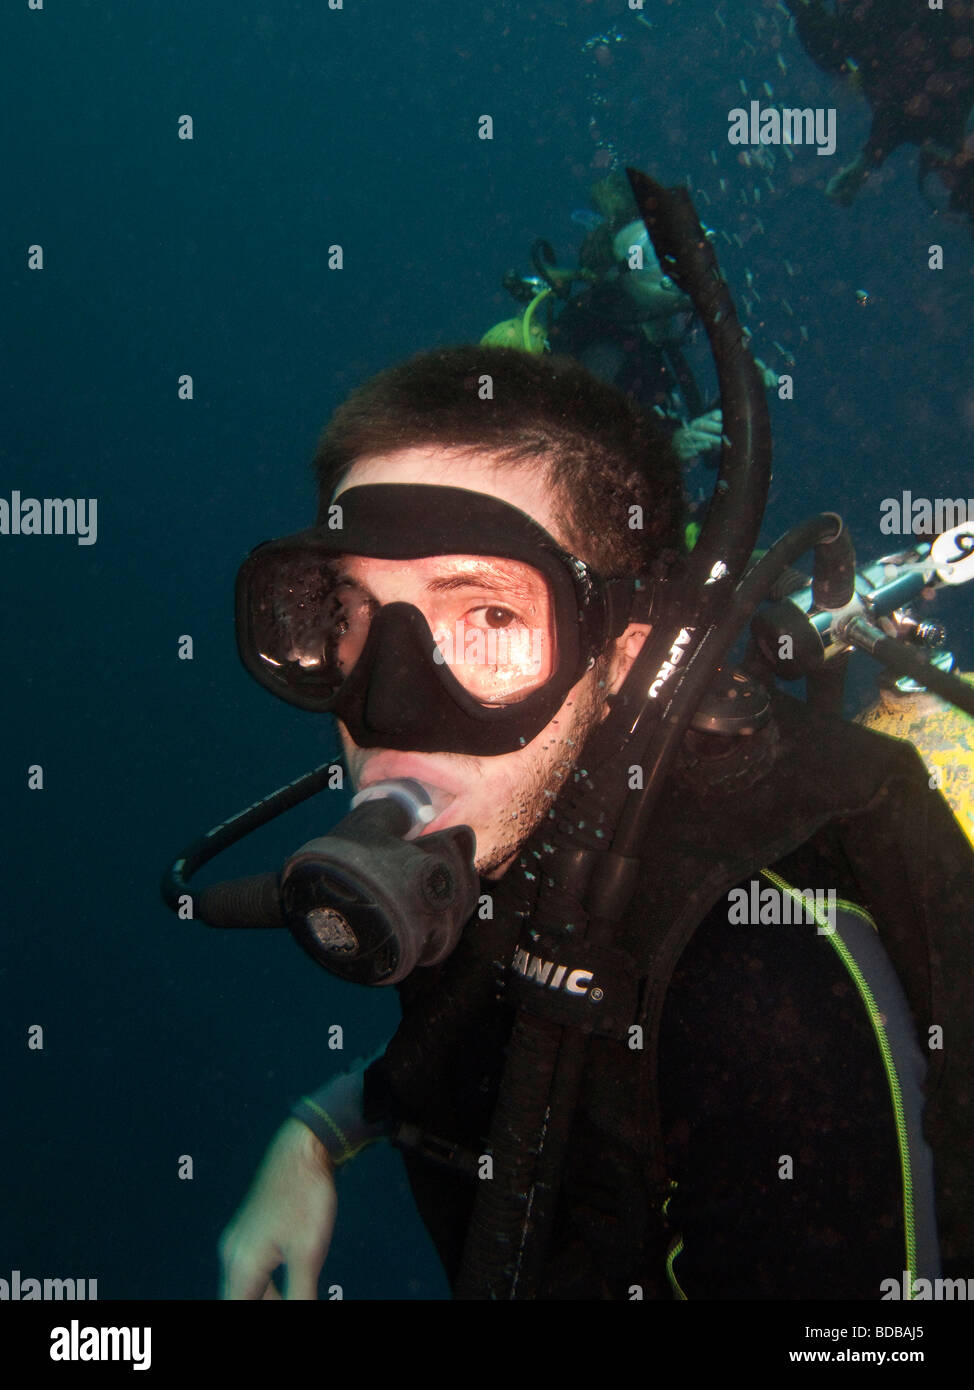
652	1045
627	326
915	66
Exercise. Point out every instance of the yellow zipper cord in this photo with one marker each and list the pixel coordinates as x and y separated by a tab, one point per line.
348	1150
879	1031
676	1244
671	1254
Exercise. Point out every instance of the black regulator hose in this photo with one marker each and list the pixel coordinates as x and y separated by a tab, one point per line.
514	1212
740	495
904	660
247	902
835	580
543	260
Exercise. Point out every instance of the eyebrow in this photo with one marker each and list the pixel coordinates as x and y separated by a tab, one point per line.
490	579
485	578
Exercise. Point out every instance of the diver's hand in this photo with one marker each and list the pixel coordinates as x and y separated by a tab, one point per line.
769	376
287	1217
699	437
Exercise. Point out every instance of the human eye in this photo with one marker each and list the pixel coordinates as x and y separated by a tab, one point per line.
493	616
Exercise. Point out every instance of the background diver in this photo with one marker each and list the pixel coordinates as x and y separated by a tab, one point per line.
628	325
915	67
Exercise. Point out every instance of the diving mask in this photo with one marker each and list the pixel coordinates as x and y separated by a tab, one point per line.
503	623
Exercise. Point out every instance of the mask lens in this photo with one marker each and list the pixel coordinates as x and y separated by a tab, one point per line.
296	622
491	620
493	625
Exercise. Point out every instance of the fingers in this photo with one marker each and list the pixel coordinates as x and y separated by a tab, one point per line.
684	445
246	1267
701	436
704	434
250	1281
301	1279
247	1280
709	424
704	443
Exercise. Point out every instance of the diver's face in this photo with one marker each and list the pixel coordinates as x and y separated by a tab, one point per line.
655	293
651	292
501	798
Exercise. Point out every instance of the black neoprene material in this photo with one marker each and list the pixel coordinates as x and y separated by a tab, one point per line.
638	369
841	808
778	1122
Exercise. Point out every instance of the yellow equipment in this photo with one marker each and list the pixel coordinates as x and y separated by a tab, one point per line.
942	734
521	332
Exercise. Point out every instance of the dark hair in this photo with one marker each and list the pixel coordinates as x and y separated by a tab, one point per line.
602	455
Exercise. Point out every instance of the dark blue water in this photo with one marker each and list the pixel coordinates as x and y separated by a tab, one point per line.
208	257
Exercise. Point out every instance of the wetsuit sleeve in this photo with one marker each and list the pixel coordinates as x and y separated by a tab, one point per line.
337	1113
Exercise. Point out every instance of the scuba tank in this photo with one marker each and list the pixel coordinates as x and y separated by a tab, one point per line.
941	733
549	282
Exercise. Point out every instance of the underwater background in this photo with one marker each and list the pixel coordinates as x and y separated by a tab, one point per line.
163	256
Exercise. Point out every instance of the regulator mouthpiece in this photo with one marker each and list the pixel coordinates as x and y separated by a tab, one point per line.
375	898
411	795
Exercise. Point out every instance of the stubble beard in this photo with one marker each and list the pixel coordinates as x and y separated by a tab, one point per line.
536	796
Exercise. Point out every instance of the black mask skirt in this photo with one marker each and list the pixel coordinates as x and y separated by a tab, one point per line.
312	633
